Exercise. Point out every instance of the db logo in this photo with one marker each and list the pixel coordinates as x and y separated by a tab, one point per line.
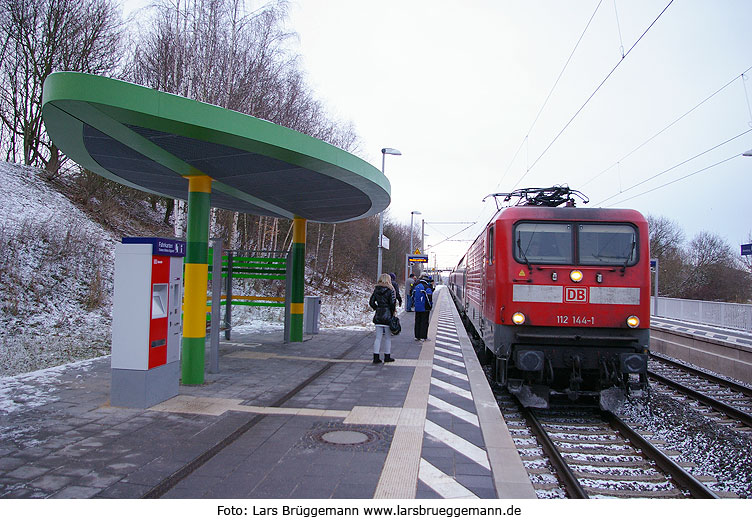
576	294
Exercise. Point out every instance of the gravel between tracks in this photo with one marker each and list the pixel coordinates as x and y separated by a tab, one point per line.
717	450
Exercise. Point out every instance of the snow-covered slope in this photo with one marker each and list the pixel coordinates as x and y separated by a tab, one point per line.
56	275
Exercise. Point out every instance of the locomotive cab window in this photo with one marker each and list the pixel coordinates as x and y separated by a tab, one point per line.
491	246
543	243
607	244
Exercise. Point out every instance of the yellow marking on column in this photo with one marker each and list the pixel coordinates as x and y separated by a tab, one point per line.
194	321
296	308
199	183
299	230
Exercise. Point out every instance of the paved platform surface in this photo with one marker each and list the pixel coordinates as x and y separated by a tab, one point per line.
692	329
302	420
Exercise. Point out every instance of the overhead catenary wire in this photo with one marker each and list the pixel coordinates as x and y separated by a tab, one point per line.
618	26
678	179
674	167
746	97
592	95
551	91
672	123
449	238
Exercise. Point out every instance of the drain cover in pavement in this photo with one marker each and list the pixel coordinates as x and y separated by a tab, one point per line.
334	435
345	437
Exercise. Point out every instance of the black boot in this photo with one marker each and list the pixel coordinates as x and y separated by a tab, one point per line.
376	359
388	358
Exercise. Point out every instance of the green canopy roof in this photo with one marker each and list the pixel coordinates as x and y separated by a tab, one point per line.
149	140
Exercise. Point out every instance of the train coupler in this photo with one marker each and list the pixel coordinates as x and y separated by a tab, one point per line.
575	378
530	396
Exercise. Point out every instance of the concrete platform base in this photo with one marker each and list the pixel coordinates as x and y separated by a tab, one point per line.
144	388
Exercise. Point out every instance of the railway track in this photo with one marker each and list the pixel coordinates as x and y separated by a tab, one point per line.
722	400
582	453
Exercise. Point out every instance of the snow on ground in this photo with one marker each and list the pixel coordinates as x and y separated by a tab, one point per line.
717	450
56	275
37	388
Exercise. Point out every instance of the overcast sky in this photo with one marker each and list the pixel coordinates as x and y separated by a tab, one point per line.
456	86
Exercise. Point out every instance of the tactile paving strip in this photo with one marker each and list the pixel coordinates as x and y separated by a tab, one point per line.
454	462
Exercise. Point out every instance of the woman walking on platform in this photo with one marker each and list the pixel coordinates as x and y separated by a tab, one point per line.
422	303
384	301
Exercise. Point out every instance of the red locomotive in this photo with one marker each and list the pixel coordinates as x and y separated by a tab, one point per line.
560	296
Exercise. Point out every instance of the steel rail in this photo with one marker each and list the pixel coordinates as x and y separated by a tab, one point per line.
705	375
566	476
665	463
722	407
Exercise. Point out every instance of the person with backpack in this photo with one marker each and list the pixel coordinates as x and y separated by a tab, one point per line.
422	303
384	301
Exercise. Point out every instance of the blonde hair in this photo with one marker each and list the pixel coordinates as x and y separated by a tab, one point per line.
386	281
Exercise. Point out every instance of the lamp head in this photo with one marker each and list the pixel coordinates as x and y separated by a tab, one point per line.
391	151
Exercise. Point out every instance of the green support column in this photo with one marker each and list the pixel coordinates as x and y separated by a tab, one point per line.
298	270
196	279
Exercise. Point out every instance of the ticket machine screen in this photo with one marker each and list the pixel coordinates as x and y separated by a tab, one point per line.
159	301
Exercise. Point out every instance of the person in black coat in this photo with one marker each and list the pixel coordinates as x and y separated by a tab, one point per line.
396	288
384	302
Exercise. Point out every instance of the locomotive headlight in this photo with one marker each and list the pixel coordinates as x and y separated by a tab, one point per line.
518	318
575	275
633	321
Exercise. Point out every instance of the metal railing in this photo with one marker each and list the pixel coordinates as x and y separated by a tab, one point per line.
722	314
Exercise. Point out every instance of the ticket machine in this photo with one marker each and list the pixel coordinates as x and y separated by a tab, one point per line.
146	321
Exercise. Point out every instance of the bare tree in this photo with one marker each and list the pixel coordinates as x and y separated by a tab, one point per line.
216	52
40	37
666	245
713	272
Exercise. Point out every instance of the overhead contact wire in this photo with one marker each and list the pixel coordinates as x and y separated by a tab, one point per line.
527	135
592	95
453	235
706	99
673	167
679	179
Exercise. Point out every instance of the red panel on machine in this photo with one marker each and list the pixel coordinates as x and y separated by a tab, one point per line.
160	277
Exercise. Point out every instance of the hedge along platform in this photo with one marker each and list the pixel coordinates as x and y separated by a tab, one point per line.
211	157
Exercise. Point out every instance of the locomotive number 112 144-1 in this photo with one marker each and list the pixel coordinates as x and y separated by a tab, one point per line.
575	320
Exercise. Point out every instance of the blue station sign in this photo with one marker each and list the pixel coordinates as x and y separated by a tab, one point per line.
747	249
161	246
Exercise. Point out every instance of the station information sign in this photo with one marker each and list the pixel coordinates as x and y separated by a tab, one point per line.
160	246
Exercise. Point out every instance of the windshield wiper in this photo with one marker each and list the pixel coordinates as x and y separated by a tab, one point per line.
522	253
629	255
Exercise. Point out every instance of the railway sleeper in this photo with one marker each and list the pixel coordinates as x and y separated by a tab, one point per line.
656	477
595	492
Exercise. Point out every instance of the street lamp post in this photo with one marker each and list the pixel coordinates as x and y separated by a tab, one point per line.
384	152
422	235
411	229
409	267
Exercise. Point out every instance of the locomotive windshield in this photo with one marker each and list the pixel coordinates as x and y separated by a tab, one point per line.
543	243
597	244
607	244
